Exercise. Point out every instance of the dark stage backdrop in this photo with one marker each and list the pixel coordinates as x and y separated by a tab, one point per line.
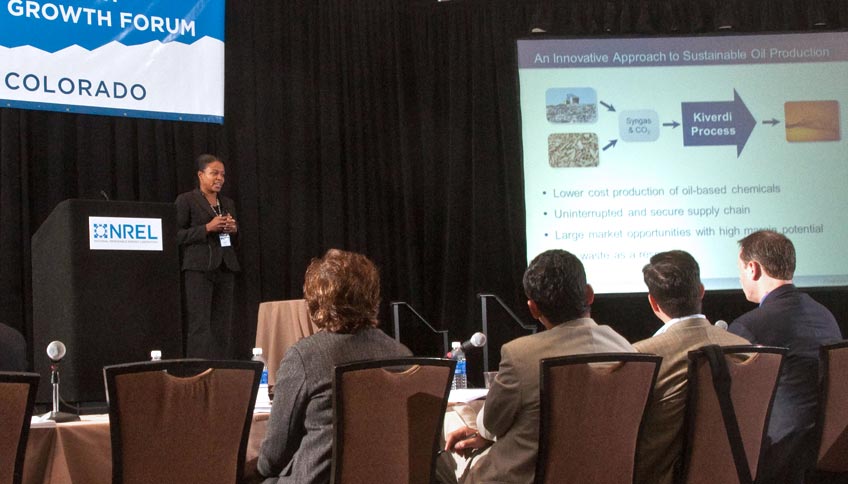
386	127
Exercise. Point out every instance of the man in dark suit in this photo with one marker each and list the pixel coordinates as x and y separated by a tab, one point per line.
790	318
12	350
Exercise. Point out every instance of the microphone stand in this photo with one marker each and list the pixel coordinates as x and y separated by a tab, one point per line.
56	415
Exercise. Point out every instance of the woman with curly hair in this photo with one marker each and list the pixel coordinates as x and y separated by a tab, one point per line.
342	291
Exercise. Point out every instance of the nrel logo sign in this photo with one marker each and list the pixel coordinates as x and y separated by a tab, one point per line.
119	233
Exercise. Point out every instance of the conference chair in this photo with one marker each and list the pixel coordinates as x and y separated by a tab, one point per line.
387	420
17	397
591	412
180	421
730	395
832	460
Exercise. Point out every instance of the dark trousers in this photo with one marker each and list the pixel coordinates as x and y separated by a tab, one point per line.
208	312
787	461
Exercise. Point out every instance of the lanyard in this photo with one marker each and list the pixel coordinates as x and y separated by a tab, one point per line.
217	208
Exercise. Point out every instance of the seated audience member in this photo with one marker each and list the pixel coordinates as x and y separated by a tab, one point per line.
559	297
790	318
674	293
342	292
12	350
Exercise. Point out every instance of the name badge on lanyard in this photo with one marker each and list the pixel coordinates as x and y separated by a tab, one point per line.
225	238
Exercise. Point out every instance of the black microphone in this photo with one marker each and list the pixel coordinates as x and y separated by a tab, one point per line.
721	324
103	192
475	341
56	351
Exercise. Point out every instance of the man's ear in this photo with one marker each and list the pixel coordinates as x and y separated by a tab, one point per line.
756	270
590	295
653	302
534	310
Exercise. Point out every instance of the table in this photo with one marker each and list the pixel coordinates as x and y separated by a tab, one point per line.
281	324
81	452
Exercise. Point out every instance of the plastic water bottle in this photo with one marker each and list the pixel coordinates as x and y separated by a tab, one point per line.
460	377
155	355
262	397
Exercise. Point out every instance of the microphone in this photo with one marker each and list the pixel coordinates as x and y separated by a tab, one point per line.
721	324
103	193
56	351
475	341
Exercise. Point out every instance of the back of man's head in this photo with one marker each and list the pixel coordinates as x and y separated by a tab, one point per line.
773	251
674	281
556	282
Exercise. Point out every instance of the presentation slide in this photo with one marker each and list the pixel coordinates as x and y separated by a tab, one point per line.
634	146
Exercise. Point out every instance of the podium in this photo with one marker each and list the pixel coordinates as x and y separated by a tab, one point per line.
106	282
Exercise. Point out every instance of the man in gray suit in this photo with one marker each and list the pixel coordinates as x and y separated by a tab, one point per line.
559	297
674	293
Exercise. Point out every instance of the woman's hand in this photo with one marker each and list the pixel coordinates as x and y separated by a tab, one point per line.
231	227
217	224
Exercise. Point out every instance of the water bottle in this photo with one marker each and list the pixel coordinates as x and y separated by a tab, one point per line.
460	378
155	355
262	397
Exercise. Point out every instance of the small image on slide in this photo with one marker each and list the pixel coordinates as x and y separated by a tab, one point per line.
571	105
808	121
570	150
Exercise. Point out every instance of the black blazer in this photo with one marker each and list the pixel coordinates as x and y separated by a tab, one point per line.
202	251
790	318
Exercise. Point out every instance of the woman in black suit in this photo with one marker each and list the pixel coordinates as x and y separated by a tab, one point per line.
206	233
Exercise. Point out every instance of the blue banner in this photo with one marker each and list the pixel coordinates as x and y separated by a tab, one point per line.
153	58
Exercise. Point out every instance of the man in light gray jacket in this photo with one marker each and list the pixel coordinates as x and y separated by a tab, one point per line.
559	297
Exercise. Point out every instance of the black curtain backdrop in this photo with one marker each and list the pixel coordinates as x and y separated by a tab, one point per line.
386	127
